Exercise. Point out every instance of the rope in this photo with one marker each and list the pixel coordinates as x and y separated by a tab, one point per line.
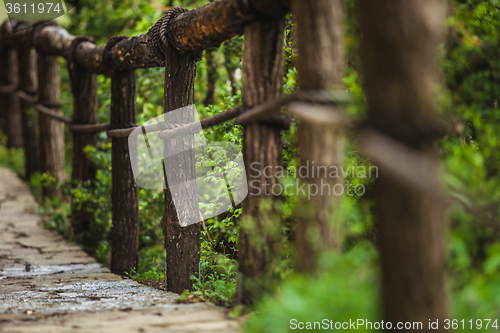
70	58
412	131
51	113
41	108
159	30
169	130
29	91
70	52
278	121
8	27
169	126
51	105
106	59
8	88
262	112
172	130
122	126
88	128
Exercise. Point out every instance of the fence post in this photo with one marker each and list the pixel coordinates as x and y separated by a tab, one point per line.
259	244
10	112
182	243
124	234
320	65
28	83
399	52
51	130
84	89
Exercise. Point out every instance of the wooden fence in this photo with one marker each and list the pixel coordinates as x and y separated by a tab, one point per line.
176	42
36	85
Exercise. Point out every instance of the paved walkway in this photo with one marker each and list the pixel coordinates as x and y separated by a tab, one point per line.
50	285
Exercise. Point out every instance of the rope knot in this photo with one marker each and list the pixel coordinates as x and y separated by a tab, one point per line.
159	30
69	54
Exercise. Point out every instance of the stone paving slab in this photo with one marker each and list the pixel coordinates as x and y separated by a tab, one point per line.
50	285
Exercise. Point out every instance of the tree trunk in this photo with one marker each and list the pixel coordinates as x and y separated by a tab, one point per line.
399	50
182	243
28	83
263	61
51	130
211	77
84	88
320	65
124	233
10	113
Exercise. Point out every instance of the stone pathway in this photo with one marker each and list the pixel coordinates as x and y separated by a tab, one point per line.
50	285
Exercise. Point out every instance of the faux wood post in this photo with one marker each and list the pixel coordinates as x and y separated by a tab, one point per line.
28	83
10	113
399	53
260	232
84	88
182	243
320	65
124	233
51	130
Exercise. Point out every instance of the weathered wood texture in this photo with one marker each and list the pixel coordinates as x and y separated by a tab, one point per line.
10	112
124	233
216	22
399	50
51	130
182	243
27	58
189	33
263	62
320	64
84	87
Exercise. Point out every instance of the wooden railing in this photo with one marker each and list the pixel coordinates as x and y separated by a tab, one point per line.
398	142
175	42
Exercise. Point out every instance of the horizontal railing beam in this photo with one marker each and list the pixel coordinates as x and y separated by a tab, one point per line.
189	32
218	21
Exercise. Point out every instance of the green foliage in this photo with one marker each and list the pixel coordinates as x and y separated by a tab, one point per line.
470	157
56	212
217	282
346	289
149	270
11	158
94	198
104	19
